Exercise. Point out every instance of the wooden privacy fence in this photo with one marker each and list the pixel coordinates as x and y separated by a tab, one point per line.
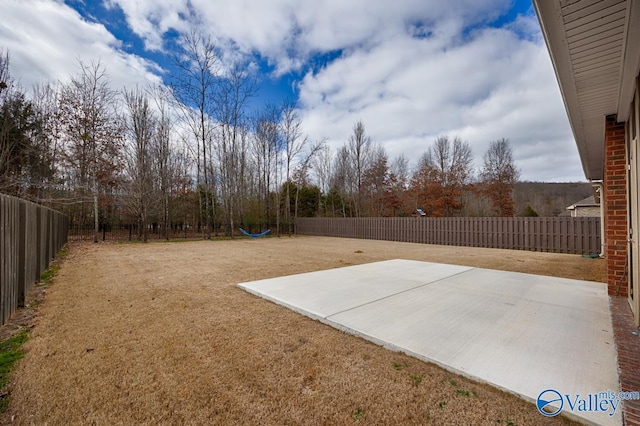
577	235
30	236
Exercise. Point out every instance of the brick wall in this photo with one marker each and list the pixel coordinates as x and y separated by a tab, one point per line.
615	207
628	348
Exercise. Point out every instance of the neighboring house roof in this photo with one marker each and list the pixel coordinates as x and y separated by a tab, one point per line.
587	202
595	51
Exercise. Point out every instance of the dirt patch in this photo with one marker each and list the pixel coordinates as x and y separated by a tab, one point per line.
24	318
160	334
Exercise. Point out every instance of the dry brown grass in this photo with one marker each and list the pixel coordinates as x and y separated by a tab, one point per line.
160	334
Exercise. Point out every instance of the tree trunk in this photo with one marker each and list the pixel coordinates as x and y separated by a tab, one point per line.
145	235
165	214
207	234
295	211
96	219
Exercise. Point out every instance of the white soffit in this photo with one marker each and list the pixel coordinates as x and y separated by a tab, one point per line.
595	54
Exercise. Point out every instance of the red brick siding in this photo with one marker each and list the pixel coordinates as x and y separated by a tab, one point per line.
615	206
628	347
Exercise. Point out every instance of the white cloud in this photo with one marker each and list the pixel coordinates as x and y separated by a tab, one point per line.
411	70
408	91
46	38
286	32
150	20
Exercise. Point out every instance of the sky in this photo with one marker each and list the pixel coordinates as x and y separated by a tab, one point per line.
410	70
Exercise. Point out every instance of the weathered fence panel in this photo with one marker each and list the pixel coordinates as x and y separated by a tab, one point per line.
30	236
575	235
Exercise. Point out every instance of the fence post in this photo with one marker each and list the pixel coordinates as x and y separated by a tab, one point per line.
30	235
22	255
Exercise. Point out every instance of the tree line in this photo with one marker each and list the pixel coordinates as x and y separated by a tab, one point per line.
194	154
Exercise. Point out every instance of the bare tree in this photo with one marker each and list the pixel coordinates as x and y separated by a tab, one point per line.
163	154
400	169
341	183
294	142
442	173
92	133
9	148
45	101
322	165
301	173
499	175
195	88
26	165
231	100
399	182
265	148
375	181
140	128
359	149
17	122
6	81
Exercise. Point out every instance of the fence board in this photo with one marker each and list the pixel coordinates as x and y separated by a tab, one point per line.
30	236
575	235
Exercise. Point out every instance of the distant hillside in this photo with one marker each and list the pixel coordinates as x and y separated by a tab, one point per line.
548	199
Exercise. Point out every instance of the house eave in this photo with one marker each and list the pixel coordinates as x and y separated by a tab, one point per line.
631	64
594	48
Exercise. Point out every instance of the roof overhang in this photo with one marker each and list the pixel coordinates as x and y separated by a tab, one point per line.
595	51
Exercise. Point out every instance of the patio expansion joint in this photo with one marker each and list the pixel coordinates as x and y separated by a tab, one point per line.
400	292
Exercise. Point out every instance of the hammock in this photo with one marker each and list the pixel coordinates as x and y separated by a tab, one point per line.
248	234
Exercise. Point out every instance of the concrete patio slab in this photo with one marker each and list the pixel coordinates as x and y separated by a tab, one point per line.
326	293
520	332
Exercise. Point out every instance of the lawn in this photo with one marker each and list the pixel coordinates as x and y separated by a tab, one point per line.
160	334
